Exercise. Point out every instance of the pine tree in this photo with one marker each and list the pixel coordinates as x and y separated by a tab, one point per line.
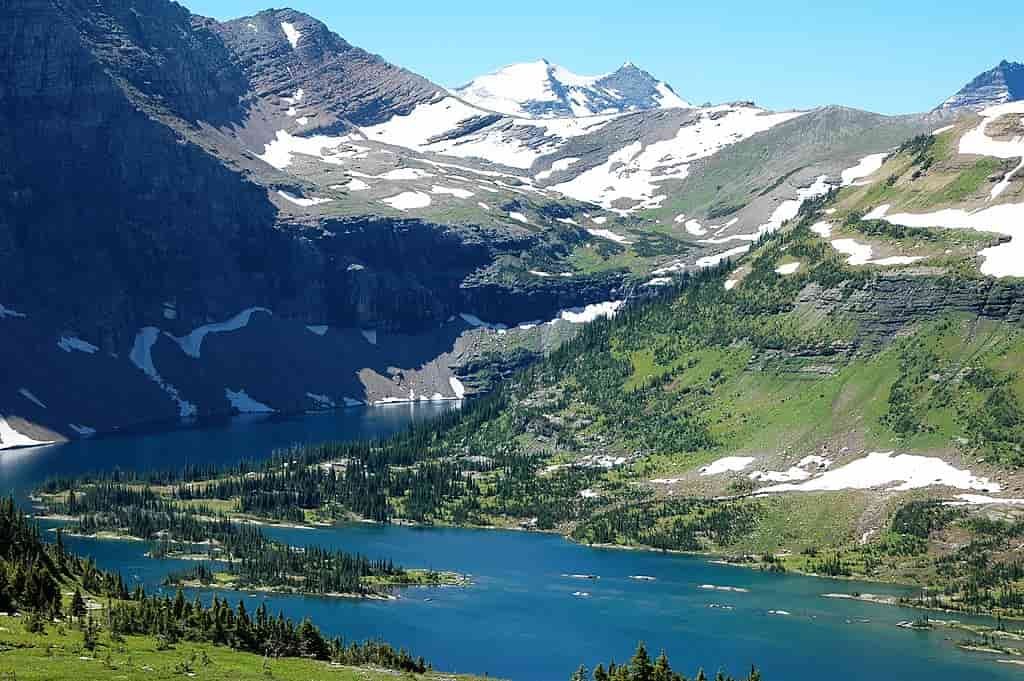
77	604
642	669
580	674
662	670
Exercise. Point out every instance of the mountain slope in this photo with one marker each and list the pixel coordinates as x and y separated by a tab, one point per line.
1003	83
541	89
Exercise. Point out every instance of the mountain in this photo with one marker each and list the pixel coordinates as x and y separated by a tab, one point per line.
1001	84
201	217
541	89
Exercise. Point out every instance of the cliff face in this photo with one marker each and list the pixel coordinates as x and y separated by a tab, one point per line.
131	199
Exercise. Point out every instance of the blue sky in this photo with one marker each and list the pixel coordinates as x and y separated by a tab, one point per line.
892	56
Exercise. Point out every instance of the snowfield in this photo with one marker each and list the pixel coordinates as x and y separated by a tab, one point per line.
24	392
241	401
192	344
291	33
977	141
726	465
300	201
457	387
11	439
589	313
6	312
73	344
141	355
408	201
610	235
635	171
897	473
867	166
1004	260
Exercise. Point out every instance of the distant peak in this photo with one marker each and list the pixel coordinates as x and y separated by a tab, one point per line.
542	89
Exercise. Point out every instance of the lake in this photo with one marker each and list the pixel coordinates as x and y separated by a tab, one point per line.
524	618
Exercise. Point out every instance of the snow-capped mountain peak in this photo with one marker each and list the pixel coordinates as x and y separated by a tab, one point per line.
540	89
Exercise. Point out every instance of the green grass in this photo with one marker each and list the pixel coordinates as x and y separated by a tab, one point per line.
58	655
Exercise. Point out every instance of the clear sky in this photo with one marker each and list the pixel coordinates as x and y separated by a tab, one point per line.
891	56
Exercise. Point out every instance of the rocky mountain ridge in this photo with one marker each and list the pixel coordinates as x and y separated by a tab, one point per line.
172	176
999	85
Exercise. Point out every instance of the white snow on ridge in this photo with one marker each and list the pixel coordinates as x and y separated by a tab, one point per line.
589	313
712	260
6	312
610	235
82	431
867	166
634	171
882	469
427	121
519	217
73	344
241	401
24	392
1004	260
11	439
278	152
408	201
192	344
141	355
291	33
299	201
457	387
977	141
558	166
727	464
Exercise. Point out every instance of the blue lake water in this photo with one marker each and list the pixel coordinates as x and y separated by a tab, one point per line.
521	619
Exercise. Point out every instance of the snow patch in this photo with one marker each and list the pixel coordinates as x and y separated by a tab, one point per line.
882	469
6	312
867	166
519	217
589	313
83	431
609	235
1004	260
788	268
141	355
300	201
635	171
291	33
457	387
192	344
727	464
24	392
976	141
11	439
408	201
244	404
73	344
